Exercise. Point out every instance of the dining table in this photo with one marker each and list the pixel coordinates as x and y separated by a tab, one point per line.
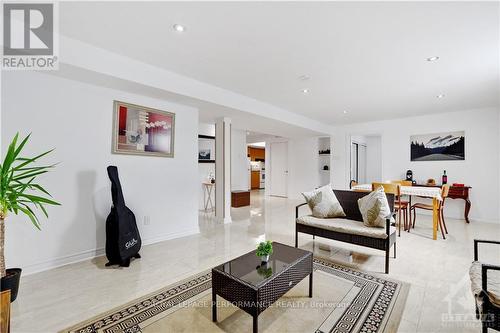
420	191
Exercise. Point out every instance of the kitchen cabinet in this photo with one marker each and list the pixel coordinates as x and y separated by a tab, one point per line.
255	180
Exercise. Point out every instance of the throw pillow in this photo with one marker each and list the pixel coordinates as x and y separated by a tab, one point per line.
324	203
374	208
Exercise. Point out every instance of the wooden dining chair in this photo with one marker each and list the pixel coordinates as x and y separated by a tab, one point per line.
408	202
441	222
399	206
402	182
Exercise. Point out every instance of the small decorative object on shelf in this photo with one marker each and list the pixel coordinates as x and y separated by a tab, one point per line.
444	180
324	152
264	250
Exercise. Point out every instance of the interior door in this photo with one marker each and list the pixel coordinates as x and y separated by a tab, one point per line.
279	169
362	164
358	162
354	162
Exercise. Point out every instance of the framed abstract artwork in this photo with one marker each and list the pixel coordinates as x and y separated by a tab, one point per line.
140	130
448	146
206	149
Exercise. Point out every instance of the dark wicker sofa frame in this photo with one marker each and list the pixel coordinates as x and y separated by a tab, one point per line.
490	315
349	202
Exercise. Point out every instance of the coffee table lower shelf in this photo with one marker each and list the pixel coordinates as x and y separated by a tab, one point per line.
255	299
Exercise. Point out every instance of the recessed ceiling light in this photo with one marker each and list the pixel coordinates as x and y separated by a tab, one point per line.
179	28
433	58
305	91
345	111
440	96
304	77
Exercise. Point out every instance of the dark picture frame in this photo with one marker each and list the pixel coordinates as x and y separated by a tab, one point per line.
445	146
206	149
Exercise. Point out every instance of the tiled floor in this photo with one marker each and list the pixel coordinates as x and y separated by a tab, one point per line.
439	299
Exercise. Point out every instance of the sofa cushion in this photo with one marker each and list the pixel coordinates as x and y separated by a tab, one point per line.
324	203
344	226
493	286
374	208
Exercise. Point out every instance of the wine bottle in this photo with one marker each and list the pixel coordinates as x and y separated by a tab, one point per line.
444	178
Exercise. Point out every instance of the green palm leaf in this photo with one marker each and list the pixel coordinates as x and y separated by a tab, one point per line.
19	191
27	161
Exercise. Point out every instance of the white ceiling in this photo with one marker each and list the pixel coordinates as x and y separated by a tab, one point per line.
209	112
365	57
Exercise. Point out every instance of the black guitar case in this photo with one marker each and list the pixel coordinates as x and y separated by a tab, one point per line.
123	241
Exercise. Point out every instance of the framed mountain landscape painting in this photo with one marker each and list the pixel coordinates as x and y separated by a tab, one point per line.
139	130
446	146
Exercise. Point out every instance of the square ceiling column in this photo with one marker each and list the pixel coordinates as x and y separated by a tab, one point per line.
223	169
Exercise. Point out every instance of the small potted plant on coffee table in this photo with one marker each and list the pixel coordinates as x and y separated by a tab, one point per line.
264	250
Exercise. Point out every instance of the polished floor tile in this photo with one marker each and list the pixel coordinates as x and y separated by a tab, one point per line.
439	298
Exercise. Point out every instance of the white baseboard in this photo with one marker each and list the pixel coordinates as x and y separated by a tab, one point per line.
62	261
473	219
172	235
93	253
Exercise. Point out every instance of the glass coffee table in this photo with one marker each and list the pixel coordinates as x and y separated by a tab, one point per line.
253	286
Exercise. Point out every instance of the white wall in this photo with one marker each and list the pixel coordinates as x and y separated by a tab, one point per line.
76	119
479	170
204	169
303	166
361	139
373	158
303	174
206	129
239	161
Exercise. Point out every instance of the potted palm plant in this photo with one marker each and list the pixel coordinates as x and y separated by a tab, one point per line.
20	194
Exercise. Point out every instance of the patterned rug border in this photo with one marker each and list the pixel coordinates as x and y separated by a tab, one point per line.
392	311
373	321
117	309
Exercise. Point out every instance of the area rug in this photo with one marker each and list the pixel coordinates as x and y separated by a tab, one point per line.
344	300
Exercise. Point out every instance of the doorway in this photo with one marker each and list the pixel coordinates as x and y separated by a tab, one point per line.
257	160
366	158
279	169
358	162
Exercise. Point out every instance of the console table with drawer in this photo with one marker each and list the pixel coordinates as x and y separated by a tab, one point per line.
457	192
